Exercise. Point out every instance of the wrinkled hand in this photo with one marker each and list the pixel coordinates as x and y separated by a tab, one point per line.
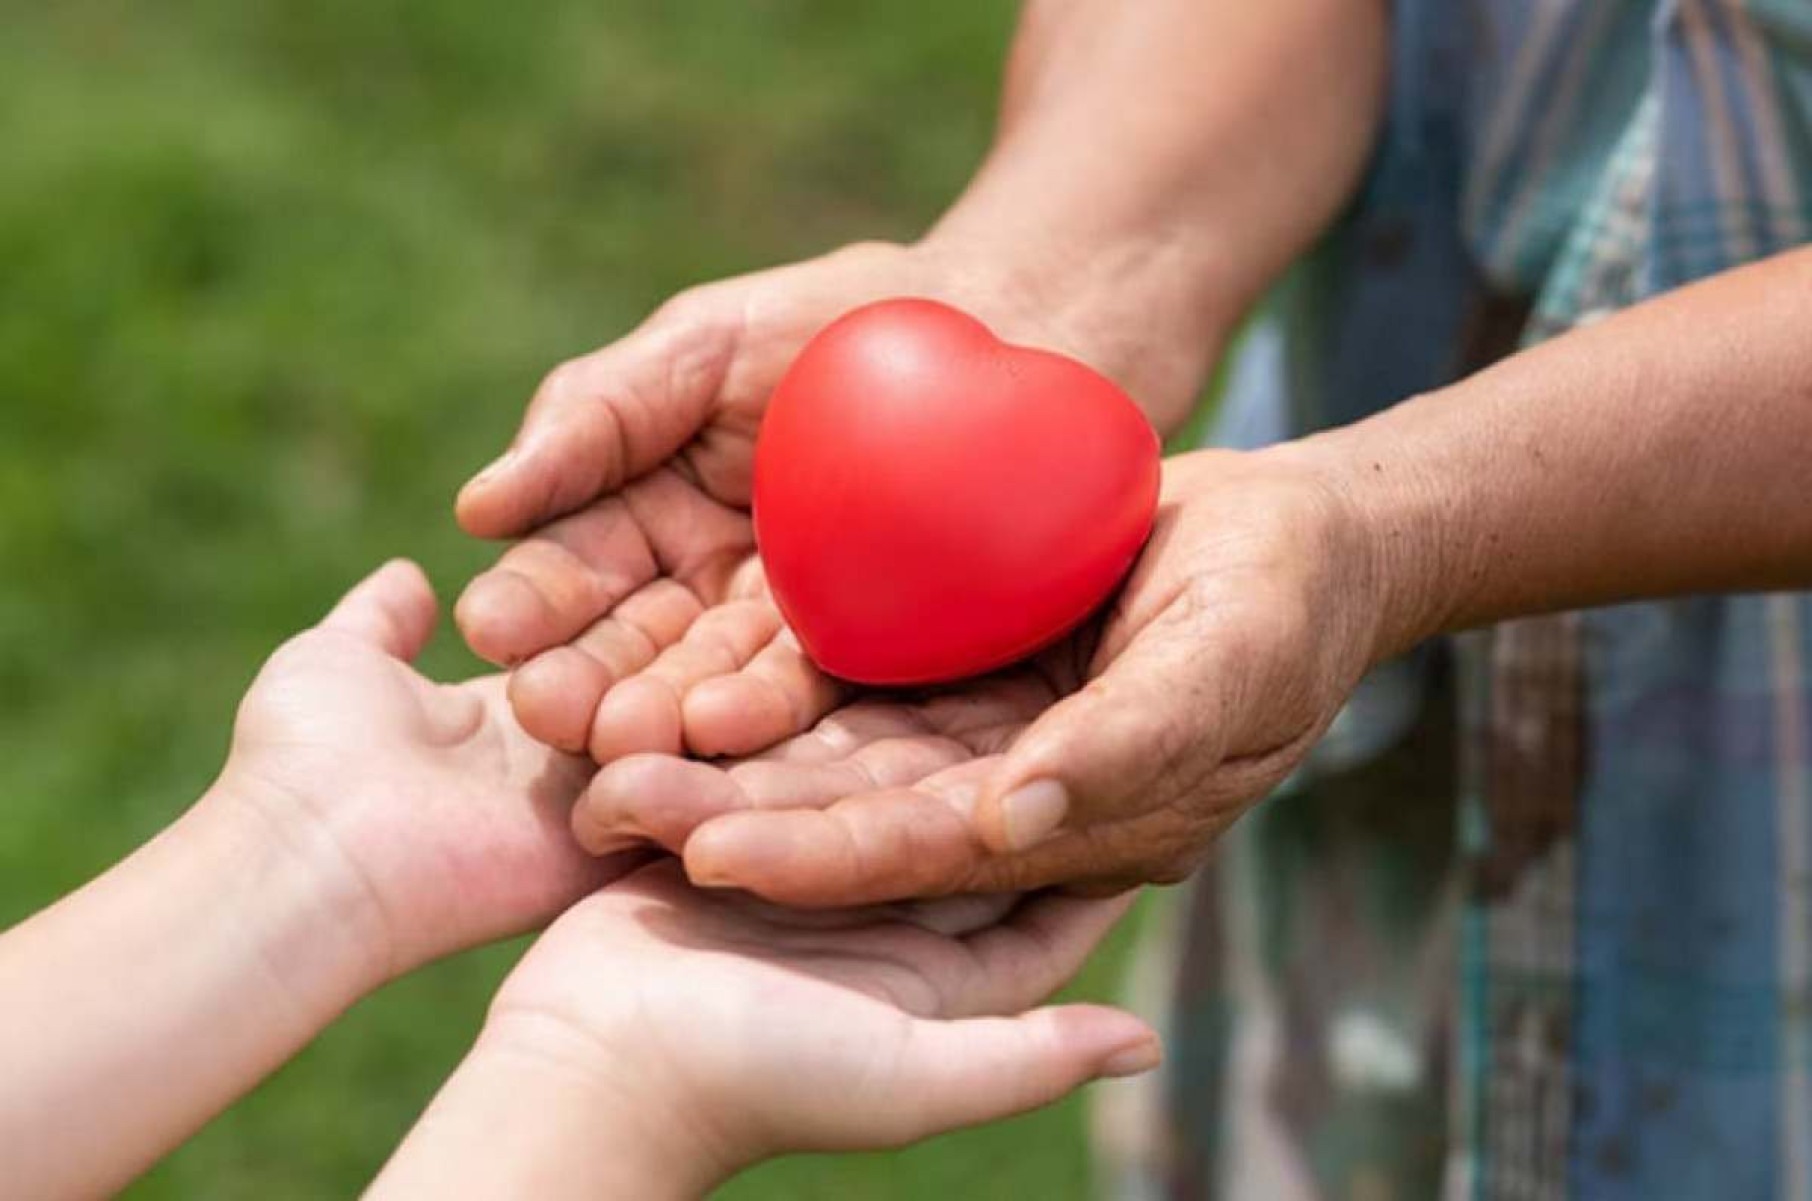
1115	758
639	459
422	808
728	1032
637	579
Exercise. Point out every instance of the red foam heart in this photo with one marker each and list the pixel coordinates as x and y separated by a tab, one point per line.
933	503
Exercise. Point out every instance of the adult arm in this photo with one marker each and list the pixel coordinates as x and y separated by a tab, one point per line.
1656	453
1156	165
1661	452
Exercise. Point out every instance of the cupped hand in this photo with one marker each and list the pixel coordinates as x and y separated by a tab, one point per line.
1114	759
631	476
731	1031
629	485
428	816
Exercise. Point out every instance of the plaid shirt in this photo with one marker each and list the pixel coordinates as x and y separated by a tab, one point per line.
1537	919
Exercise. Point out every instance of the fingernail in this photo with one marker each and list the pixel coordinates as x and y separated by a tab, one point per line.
1032	812
1134	1060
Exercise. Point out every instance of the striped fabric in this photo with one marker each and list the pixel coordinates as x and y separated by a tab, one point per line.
1574	958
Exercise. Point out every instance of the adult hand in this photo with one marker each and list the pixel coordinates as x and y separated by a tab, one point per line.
657	1039
631	479
1247	621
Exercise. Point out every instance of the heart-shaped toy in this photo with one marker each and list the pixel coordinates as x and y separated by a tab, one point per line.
933	503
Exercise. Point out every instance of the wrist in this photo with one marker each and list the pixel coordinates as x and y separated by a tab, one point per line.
1390	522
152	997
303	914
542	1108
1138	305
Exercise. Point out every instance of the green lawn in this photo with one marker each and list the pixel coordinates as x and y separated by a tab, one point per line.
276	276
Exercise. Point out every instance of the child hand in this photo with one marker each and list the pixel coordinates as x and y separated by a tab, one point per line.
430	821
367	820
676	1036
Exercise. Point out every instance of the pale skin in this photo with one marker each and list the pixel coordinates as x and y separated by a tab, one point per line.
369	820
1653	454
658	1038
366	821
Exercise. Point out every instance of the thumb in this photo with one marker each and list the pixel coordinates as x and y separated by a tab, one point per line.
963	1073
392	609
604	419
1099	753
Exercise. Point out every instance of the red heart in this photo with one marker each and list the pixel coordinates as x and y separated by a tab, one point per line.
932	502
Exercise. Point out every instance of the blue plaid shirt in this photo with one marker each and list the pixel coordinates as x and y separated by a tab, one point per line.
1604	989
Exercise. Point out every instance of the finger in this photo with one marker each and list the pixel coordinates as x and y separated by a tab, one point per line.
1040	948
659	798
1099	754
984	716
548	588
960	1073
943	921
664	798
1000	954
556	694
599	421
876	847
845	731
876	766
645	712
823	868
989	714
954	917
393	609
778	693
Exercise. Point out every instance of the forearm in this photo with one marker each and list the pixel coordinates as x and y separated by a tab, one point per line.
1663	451
143	1004
534	1119
1169	158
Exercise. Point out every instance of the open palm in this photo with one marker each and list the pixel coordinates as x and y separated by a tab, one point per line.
638	458
425	803
1136	741
785	1031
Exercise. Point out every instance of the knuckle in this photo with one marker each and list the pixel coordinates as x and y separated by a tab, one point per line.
1292	621
1173	841
1013	874
689	306
564	383
1268	618
298	650
1175	741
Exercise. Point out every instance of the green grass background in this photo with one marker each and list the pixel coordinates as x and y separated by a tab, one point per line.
274	277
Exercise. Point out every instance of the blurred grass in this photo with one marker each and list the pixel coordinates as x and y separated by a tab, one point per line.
276	277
